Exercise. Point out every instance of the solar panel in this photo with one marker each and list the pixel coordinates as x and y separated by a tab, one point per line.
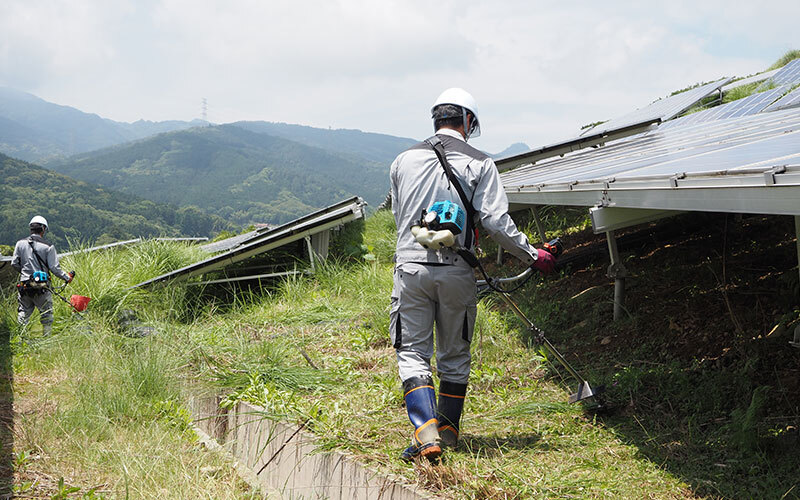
228	243
268	239
749	105
572	144
663	109
748	164
750	79
757	102
631	124
790	100
787	75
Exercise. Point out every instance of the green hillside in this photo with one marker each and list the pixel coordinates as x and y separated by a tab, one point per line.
87	212
239	175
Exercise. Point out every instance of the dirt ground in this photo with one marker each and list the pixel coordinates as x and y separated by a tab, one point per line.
699	370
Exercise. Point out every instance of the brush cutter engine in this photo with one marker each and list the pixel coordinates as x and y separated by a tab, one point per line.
39	280
438	226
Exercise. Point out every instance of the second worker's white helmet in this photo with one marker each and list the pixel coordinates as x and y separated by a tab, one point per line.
466	102
38	219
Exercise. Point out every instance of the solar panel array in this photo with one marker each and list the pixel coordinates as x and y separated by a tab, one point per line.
788	75
790	100
749	105
663	109
664	169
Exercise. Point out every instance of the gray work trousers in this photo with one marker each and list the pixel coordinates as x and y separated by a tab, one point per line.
42	301
424	295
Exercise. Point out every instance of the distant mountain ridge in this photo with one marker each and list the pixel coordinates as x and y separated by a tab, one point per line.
35	130
240	175
86	212
380	148
514	149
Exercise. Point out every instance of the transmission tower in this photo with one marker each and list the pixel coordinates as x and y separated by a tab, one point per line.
204	107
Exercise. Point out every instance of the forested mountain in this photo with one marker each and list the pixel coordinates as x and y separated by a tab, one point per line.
87	212
35	130
237	174
244	172
379	148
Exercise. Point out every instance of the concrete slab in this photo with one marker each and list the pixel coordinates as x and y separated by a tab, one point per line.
284	457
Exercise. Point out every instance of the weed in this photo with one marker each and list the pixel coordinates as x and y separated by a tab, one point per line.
63	490
744	425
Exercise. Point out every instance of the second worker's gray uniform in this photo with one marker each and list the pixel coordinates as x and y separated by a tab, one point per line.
437	286
26	263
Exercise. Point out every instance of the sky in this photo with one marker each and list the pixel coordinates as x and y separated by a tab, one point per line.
538	70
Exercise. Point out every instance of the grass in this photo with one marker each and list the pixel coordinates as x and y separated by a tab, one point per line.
785	59
100	415
104	411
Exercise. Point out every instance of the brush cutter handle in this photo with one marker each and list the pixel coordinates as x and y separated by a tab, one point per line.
512	279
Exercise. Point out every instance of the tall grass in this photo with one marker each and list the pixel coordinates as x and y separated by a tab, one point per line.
103	411
785	59
741	92
107	276
380	235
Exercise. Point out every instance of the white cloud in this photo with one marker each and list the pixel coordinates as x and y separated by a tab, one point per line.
538	69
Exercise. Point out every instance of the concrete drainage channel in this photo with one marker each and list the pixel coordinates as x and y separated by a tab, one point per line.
282	461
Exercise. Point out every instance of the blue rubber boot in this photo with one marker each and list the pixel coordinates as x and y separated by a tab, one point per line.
421	406
451	402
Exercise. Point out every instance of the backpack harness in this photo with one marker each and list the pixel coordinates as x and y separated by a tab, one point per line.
472	232
39	281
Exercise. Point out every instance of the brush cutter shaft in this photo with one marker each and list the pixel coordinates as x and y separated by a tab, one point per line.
541	338
585	390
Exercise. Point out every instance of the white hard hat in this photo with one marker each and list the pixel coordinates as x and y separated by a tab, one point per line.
463	99
38	219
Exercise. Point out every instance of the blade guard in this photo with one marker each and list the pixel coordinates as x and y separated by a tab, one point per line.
585	391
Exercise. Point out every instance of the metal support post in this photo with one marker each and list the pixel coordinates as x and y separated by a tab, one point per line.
320	243
539	226
618	272
796	340
797	235
499	255
311	256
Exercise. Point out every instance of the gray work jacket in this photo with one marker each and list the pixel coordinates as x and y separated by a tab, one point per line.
418	180
26	263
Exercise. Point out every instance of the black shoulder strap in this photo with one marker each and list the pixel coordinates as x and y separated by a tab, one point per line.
435	143
35	254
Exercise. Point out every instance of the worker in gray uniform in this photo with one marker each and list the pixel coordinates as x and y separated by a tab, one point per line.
437	286
36	261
